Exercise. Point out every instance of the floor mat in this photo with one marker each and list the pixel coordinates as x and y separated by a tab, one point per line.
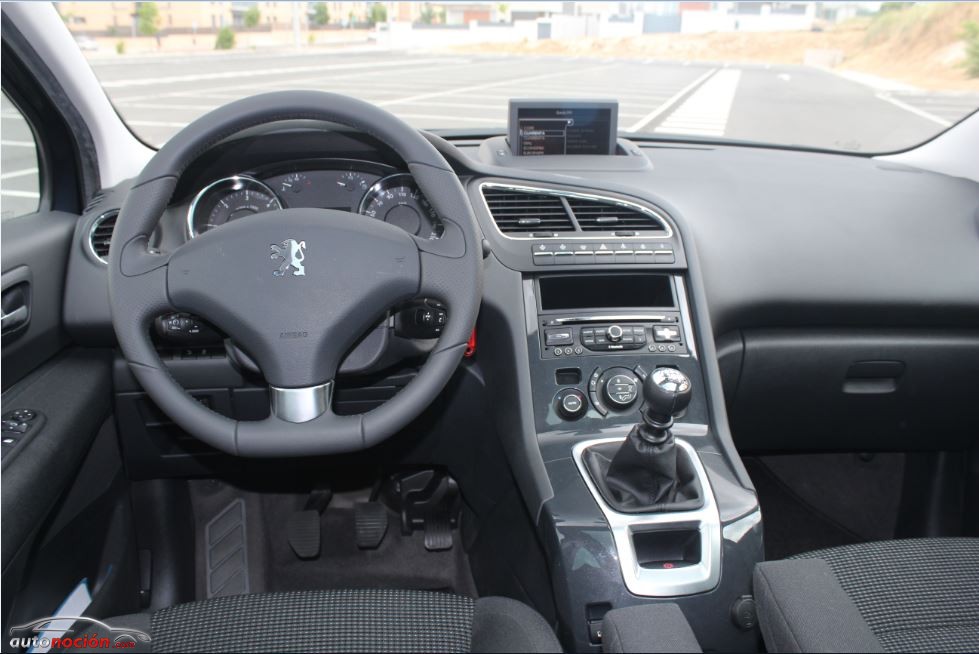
791	526
400	561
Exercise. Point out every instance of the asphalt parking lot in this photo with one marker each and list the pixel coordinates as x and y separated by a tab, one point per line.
787	105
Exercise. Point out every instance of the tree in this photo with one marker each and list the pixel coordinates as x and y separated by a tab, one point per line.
321	14
225	39
147	18
378	13
252	17
427	14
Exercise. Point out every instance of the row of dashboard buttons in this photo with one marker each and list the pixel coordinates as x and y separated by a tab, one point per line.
562	254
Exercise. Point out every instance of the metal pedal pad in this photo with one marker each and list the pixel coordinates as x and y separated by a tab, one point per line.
371	522
438	535
304	533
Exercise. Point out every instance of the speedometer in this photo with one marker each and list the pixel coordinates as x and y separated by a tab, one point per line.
397	200
229	199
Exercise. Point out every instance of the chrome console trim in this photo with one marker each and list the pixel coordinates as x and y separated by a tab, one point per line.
649	582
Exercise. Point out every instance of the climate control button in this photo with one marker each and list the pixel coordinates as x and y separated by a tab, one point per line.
570	403
619	388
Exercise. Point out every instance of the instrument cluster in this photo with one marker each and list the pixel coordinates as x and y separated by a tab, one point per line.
365	188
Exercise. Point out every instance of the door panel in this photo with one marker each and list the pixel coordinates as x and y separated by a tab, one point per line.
34	252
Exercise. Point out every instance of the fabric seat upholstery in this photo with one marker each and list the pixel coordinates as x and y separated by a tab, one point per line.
916	595
368	620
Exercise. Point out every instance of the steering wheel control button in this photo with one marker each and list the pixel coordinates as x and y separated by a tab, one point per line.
571	404
560	336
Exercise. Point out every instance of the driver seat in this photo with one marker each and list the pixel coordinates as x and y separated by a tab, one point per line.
366	620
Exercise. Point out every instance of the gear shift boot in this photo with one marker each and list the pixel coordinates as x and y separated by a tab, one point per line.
638	477
648	473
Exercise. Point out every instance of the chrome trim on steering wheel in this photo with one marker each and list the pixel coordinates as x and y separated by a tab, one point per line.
301	404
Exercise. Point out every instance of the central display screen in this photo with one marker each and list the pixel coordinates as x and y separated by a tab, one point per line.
609	291
540	127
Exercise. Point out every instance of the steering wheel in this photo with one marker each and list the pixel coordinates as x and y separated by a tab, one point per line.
294	288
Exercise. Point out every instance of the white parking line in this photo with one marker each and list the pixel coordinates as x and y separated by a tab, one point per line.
19	173
652	115
918	112
18	144
488	85
156	123
237	74
20	194
705	113
164	106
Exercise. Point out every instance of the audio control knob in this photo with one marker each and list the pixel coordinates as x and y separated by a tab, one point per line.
614	333
571	404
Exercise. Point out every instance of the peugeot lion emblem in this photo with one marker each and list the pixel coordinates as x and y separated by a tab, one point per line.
291	253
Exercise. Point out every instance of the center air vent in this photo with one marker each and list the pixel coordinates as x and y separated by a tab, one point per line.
595	216
527	212
101	235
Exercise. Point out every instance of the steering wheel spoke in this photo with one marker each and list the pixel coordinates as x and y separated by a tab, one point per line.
301	404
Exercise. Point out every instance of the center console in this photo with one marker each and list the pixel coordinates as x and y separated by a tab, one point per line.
643	503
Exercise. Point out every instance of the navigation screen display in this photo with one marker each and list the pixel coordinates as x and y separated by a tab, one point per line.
561	127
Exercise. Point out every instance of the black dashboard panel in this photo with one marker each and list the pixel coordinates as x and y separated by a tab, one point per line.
782	239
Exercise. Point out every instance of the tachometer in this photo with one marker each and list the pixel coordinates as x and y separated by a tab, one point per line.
397	200
229	199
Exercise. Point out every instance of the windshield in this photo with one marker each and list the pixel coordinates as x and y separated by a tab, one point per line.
860	77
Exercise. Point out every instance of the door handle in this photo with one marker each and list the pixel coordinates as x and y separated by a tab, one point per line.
14	319
15	305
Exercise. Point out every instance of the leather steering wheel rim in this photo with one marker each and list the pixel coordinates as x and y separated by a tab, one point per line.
296	324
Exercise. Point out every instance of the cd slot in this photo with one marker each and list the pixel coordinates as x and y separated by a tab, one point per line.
573	320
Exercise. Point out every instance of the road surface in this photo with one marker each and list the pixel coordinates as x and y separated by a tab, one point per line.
786	105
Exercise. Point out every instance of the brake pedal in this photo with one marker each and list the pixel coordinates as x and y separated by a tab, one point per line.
304	533
303	529
371	523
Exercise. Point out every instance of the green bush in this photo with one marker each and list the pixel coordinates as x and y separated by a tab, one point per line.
225	39
253	17
971	37
120	47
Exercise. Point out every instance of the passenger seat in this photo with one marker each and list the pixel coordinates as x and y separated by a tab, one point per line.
919	595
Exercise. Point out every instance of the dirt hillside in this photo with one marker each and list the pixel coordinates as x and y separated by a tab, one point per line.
921	45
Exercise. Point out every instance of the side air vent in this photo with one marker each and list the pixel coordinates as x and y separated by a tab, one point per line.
518	212
595	216
101	235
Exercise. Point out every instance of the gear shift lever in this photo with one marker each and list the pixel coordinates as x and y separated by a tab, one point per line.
667	394
644	474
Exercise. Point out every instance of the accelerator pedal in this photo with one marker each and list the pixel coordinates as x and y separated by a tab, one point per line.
438	535
371	523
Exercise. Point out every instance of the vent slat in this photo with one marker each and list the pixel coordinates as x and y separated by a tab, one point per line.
520	211
596	216
101	236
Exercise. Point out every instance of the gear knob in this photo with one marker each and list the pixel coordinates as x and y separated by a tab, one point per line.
667	392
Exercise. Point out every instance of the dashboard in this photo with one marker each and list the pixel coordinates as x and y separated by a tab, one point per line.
374	190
